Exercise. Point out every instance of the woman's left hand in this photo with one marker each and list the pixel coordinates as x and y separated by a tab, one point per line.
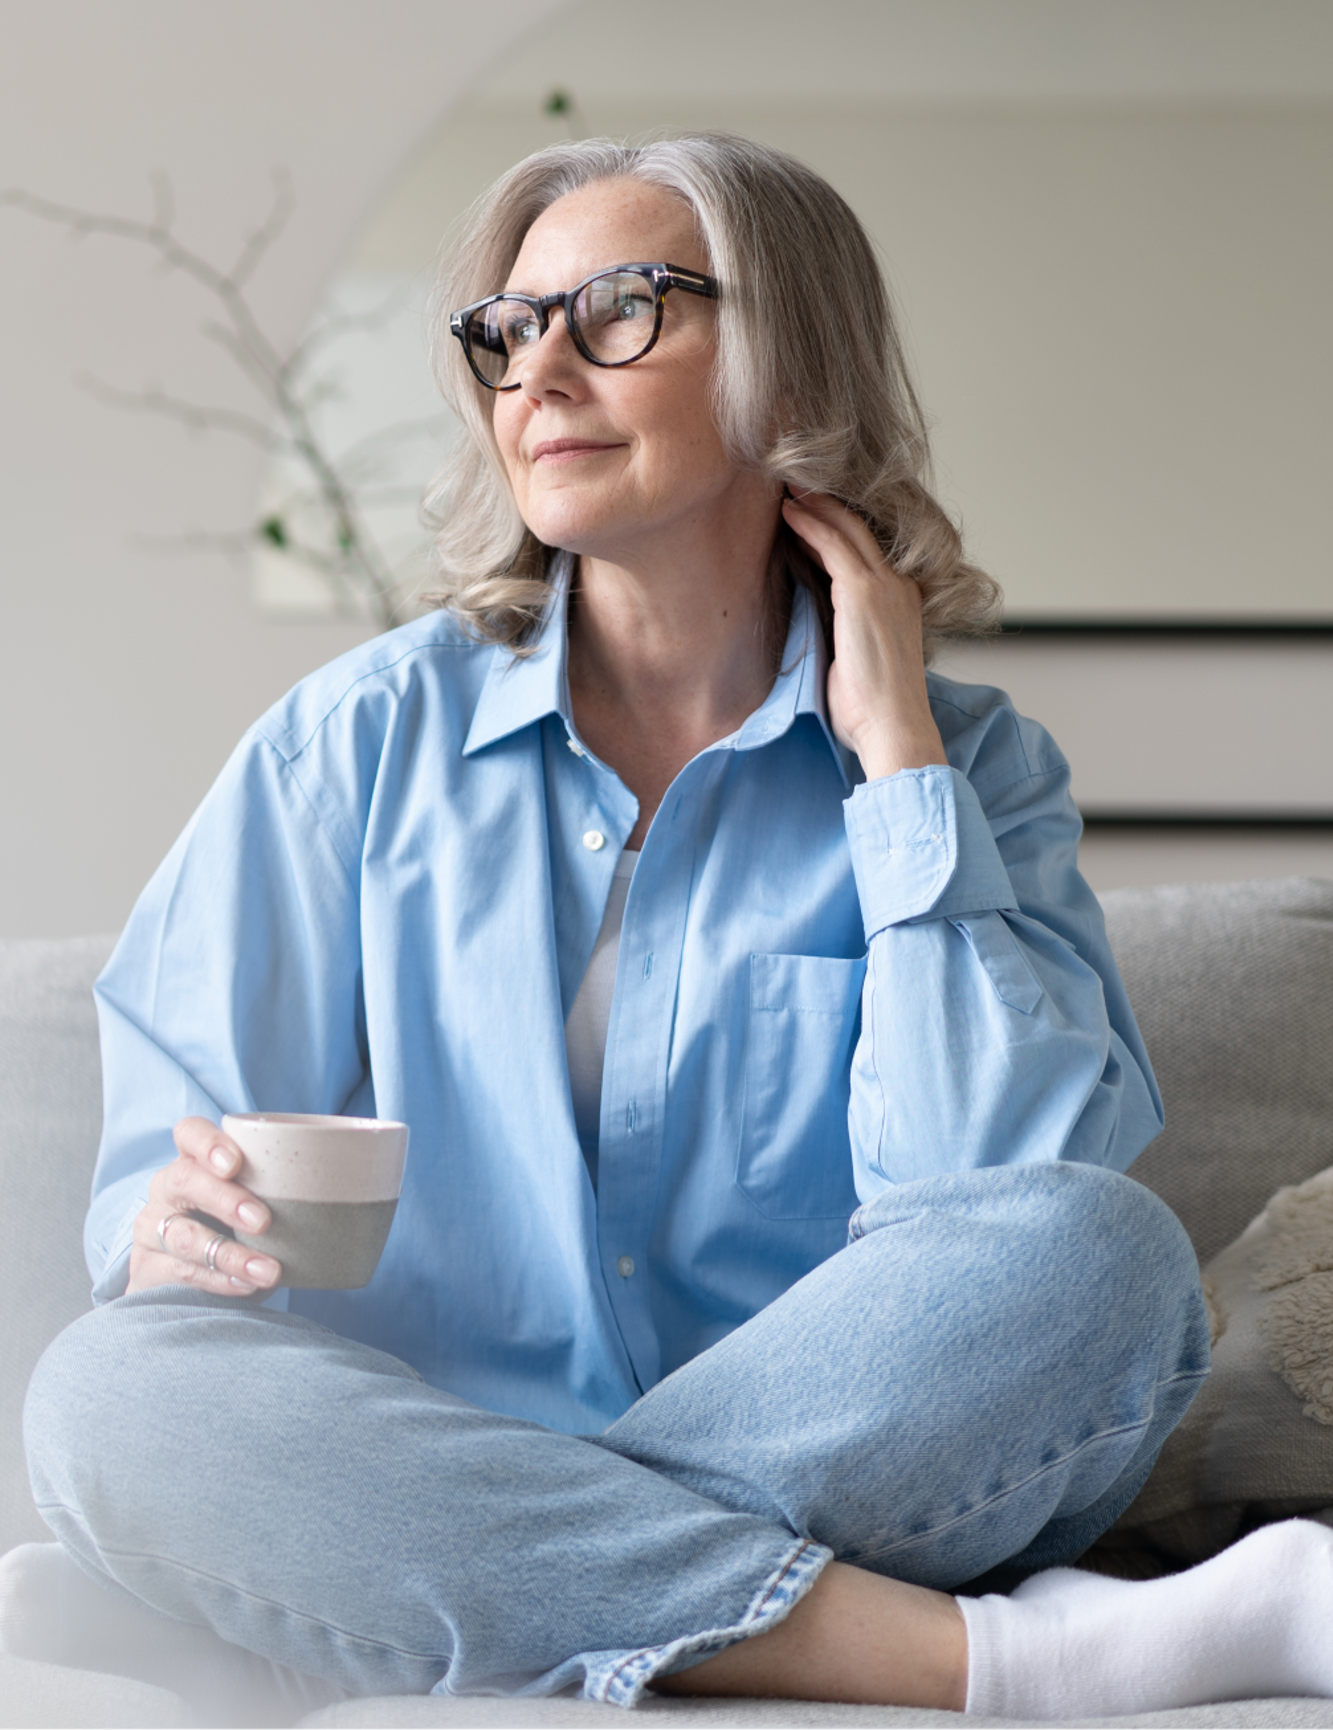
877	699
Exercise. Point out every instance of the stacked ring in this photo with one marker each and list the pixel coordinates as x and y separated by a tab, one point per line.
162	1225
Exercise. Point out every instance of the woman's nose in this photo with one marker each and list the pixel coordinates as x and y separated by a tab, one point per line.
553	363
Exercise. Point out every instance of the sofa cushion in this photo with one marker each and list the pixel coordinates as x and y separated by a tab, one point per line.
40	1695
1257	1444
50	1120
34	1696
439	1712
1232	985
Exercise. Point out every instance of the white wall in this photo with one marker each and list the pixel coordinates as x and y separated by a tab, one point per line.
126	675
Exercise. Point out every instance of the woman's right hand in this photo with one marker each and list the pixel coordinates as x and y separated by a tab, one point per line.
198	1181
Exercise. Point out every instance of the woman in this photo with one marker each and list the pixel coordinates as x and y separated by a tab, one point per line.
677	944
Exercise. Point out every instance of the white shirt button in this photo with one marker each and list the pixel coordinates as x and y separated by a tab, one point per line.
594	840
625	1266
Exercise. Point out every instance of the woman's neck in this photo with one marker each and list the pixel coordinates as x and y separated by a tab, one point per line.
667	657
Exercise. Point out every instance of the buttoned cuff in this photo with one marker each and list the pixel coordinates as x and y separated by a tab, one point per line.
115	1275
922	849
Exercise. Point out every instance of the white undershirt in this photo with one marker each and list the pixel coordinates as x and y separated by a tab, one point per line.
590	1015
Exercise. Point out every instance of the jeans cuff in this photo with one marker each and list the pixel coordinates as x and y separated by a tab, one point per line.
620	1678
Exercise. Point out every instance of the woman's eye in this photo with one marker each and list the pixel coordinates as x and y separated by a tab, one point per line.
518	328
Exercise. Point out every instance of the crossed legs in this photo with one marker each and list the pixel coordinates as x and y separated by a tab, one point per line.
980	1381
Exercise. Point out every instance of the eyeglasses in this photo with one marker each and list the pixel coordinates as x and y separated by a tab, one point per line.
614	317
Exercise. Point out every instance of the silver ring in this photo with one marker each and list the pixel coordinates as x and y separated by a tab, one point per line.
162	1225
211	1253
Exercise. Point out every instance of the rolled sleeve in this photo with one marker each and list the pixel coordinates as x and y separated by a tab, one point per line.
922	849
994	1027
109	1239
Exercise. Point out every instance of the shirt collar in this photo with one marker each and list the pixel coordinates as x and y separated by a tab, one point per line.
521	690
799	689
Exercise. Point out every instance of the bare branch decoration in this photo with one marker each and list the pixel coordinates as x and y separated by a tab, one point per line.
355	570
195	416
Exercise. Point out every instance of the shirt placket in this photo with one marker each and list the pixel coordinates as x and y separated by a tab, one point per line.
638	1050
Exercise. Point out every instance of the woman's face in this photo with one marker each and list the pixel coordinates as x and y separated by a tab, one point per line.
604	460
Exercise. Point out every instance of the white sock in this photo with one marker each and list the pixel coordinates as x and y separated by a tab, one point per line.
52	1611
1254	1622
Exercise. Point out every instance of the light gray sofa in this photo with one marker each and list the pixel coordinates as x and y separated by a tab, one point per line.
1233	987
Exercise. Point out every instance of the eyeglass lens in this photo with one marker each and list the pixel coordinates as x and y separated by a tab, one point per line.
614	315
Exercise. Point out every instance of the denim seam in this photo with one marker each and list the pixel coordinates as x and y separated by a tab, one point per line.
624	1685
1032	1477
251	1597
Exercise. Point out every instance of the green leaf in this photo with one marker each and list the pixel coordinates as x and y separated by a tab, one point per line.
275	530
558	102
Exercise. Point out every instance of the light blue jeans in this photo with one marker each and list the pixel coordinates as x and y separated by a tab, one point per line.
979	1381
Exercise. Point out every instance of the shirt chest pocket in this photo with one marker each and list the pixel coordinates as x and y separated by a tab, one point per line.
794	1160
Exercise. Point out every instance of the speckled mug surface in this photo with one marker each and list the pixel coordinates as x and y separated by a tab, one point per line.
331	1184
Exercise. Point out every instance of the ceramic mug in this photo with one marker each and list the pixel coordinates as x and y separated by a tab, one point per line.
331	1184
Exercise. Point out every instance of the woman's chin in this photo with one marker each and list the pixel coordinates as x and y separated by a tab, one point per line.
583	532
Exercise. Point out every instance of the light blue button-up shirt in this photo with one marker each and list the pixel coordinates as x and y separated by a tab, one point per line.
825	987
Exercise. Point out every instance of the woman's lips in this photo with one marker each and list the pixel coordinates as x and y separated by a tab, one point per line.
569	450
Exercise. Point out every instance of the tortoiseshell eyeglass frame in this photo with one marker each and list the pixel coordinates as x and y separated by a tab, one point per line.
661	276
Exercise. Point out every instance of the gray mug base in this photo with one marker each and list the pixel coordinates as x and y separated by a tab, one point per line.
325	1245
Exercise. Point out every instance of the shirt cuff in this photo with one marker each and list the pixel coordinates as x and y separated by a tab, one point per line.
115	1274
114	1279
922	849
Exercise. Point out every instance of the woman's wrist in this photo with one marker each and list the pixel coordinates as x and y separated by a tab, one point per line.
888	750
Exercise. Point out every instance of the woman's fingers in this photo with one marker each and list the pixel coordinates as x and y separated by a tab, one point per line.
193	1252
877	697
866	587
826	524
187	1184
199	1254
208	1159
200	1140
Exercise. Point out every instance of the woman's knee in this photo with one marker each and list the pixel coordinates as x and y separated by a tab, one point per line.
171	1388
72	1430
131	1391
1112	1257
1106	1232
105	1394
1061	1248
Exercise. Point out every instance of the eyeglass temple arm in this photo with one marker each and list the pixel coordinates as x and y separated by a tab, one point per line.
692	281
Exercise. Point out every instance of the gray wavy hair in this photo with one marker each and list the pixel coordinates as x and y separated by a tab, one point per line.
821	402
